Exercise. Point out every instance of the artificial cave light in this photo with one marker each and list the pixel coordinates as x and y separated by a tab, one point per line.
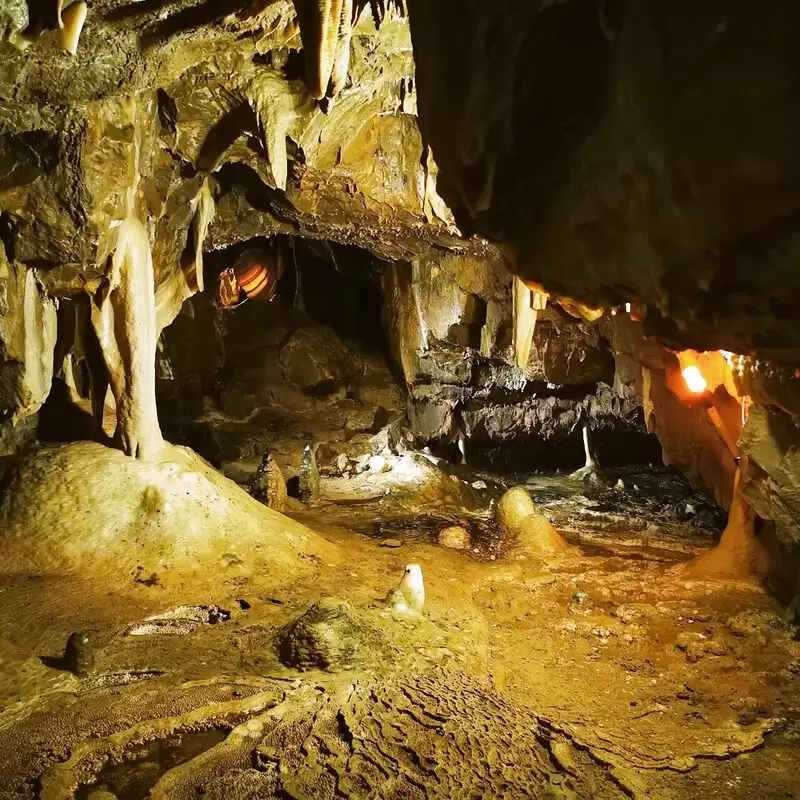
694	379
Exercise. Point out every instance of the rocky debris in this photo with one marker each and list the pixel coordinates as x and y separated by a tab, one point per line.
328	636
391	543
180	621
309	476
454	537
79	653
393	438
317	361
342	464
268	485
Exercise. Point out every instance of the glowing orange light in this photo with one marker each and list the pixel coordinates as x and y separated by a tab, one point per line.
694	380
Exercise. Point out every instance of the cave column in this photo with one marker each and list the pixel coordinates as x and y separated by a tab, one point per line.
124	318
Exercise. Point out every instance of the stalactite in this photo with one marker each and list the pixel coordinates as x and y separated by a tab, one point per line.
276	108
378	8
342	61
203	209
72	20
124	318
320	21
326	27
526	305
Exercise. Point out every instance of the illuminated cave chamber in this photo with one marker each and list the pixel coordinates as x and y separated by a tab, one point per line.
336	343
399	398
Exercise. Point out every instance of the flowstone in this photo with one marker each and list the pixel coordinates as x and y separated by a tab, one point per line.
90	509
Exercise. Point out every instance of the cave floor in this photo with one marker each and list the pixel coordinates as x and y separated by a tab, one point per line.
604	673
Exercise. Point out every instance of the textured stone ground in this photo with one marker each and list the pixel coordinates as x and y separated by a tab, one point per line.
605	673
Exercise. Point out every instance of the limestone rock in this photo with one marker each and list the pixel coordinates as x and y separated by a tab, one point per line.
327	636
316	360
514	506
538	538
772	479
268	485
14	20
367	420
454	537
79	653
309	476
88	509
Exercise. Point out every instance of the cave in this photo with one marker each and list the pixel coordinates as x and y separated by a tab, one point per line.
399	399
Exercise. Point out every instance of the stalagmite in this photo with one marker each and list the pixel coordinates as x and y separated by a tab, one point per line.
518	518
590	462
739	553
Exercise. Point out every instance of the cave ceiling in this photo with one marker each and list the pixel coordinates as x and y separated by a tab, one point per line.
627	152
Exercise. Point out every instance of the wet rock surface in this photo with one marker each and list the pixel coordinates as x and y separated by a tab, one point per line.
520	646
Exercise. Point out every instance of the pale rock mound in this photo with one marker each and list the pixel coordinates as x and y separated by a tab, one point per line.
517	516
86	508
513	507
537	537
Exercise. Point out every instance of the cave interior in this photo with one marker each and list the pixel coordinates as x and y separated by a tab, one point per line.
378	378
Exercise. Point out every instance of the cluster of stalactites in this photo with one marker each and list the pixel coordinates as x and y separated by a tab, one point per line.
326	28
69	20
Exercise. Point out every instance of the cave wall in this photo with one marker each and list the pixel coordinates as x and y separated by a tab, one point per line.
27	341
450	319
206	112
628	151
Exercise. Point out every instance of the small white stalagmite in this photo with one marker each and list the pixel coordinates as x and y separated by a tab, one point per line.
590	462
410	592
